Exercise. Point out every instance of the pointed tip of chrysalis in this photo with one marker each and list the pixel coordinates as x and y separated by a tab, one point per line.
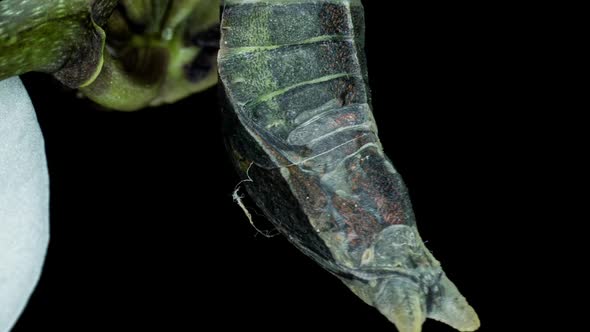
451	308
405	303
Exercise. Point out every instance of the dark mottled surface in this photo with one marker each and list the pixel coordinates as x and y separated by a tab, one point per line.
296	80
273	194
298	92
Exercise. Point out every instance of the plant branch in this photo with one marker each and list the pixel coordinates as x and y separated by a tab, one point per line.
62	37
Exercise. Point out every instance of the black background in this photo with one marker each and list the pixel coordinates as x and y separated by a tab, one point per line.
144	233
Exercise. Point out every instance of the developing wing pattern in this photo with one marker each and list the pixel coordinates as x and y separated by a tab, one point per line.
298	109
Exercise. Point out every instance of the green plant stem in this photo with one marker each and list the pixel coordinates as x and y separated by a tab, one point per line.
116	89
62	37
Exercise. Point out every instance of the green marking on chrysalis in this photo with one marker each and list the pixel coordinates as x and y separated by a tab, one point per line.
282	91
313	40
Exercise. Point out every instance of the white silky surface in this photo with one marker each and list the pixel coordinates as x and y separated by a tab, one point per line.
24	201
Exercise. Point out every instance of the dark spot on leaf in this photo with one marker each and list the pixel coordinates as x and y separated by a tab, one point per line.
202	65
136	27
208	38
146	65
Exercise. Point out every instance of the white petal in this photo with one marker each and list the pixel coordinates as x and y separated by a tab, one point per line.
24	198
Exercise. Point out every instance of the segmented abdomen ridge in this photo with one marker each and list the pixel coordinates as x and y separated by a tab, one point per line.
300	87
